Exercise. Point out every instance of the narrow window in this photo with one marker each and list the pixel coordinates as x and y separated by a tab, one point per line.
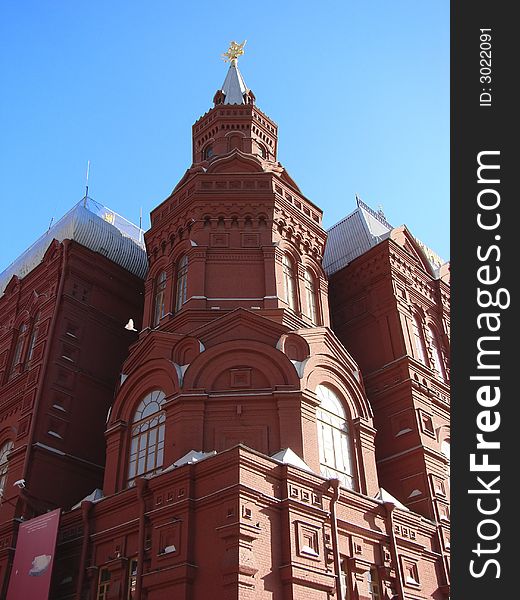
103	585
310	289
158	305
334	438
420	354
288	281
435	352
132	579
17	354
373	585
32	340
4	453
208	152
445	449
147	437
182	283
343	580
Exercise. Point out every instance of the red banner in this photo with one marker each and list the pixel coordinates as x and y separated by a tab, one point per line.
34	557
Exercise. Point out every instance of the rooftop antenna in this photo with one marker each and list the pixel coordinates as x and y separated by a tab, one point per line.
86	185
140	222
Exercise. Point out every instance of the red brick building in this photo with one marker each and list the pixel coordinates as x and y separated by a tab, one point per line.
247	440
63	307
396	291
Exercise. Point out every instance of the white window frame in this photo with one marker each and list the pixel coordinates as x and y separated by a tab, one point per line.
312	299
181	288
4	465
146	451
289	281
334	441
159	298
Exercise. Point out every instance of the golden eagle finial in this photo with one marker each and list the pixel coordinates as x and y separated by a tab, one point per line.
234	51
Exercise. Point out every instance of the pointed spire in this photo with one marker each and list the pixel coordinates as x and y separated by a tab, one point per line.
234	89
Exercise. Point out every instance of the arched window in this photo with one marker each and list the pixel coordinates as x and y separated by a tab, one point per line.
420	354
181	290
435	352
4	453
288	282
17	354
310	289
208	152
158	304
147	437
333	438
32	340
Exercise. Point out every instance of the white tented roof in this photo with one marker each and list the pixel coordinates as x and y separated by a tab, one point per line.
385	496
94	496
189	458
289	457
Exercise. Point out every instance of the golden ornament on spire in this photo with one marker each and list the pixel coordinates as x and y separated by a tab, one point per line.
235	50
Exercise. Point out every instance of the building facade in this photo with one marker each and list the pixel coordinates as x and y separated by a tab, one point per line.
247	440
62	340
395	291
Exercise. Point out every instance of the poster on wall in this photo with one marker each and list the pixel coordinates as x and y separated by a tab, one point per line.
32	567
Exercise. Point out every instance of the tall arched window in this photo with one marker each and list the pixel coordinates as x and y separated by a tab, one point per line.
289	282
181	290
420	354
333	438
435	352
17	354
4	453
147	437
310	290
159	297
32	340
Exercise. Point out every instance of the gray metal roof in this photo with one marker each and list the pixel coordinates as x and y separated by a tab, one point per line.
359	231
353	236
94	226
234	87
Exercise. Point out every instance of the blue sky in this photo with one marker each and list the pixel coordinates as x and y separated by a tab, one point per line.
359	90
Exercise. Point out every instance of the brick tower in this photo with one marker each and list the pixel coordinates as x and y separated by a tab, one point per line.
236	312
